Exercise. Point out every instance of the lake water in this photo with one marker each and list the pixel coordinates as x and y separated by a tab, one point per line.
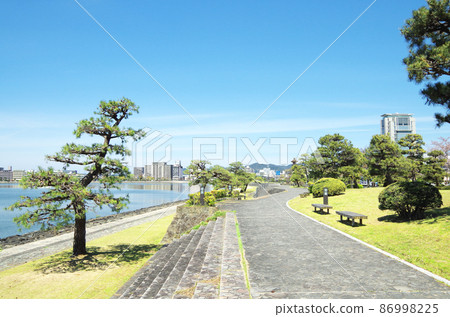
141	195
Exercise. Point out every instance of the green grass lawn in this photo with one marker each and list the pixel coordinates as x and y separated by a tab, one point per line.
425	243
97	275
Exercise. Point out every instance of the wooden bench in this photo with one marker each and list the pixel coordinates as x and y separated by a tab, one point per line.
322	207
352	215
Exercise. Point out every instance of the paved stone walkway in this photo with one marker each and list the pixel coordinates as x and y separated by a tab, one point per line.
292	256
17	255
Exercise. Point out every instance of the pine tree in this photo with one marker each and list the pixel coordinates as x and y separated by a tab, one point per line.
67	197
428	35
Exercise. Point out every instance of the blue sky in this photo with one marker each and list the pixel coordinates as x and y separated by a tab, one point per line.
224	62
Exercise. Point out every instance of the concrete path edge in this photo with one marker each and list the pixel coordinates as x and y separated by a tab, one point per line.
436	277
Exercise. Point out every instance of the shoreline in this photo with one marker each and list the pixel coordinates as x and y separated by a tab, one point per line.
20	239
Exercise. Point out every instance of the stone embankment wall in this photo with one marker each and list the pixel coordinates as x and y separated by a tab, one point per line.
264	189
185	218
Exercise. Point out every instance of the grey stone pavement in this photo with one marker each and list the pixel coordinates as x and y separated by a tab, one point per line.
17	255
292	256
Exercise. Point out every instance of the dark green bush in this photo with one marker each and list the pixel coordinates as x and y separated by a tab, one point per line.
194	199
335	187
410	199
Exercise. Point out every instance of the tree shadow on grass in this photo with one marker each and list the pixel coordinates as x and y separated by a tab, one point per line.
97	258
431	216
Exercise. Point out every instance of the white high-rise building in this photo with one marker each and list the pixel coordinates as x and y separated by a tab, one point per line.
397	125
159	171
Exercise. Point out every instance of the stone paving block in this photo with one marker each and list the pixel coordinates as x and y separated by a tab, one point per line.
206	291
158	267
167	267
232	280
170	285
194	267
147	272
213	260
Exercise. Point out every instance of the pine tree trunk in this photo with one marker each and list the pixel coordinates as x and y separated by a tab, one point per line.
79	238
388	180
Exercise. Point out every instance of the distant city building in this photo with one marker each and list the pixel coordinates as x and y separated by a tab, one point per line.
177	171
18	175
138	172
267	173
6	175
248	169
161	171
397	125
158	170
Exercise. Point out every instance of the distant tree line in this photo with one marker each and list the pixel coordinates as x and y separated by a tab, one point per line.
384	161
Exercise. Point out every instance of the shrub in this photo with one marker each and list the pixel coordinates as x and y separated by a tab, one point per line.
194	199
219	193
335	187
310	185
410	199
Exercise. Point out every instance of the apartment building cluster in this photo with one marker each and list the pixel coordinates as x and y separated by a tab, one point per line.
9	175
161	171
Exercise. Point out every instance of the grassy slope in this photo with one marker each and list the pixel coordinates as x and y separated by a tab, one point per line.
424	243
99	275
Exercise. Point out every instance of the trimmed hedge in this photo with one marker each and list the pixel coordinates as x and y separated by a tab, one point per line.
410	199
335	187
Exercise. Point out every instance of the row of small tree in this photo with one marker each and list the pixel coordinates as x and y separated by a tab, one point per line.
235	176
384	161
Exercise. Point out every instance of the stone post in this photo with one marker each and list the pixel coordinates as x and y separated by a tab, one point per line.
325	196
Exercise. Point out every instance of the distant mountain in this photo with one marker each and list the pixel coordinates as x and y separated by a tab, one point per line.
257	167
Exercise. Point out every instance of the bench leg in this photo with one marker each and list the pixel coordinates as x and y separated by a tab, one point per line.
360	221
341	218
353	222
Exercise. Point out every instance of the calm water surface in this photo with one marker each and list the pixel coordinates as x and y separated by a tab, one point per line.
140	194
